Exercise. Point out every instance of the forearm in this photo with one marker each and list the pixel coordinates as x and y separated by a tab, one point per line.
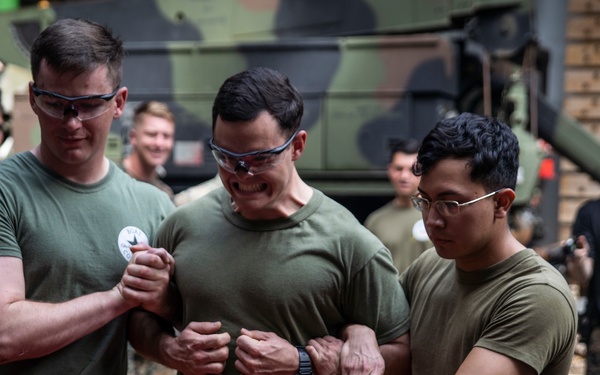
146	332
197	349
362	341
396	355
580	270
31	329
170	307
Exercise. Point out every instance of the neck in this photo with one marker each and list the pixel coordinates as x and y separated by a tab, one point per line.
400	201
495	252
88	172
137	169
296	197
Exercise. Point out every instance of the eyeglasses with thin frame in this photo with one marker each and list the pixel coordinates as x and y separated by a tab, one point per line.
446	208
254	162
84	107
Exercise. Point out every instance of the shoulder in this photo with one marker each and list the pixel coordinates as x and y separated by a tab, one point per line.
378	214
139	190
340	220
19	160
428	268
201	209
19	169
591	207
534	270
329	206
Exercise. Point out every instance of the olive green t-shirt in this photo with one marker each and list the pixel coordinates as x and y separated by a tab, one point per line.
301	277
396	227
521	307
74	240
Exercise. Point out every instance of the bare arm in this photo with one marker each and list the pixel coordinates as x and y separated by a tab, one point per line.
361	344
359	353
198	349
580	265
482	361
396	355
22	320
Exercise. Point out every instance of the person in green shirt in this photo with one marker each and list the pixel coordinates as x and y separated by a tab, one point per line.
481	302
397	224
269	269
69	218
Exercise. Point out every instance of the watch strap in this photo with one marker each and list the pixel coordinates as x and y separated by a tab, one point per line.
305	367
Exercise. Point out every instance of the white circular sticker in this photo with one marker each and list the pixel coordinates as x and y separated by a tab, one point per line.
130	236
419	232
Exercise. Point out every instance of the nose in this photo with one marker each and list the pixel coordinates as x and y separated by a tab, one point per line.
72	122
165	143
433	218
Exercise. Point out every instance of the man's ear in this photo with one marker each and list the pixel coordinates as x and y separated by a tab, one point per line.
120	100
503	200
298	145
34	107
132	135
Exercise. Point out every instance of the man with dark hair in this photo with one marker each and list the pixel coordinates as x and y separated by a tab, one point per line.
279	268
68	217
397	224
480	302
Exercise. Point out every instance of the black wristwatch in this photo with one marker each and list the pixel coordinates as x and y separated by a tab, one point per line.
305	367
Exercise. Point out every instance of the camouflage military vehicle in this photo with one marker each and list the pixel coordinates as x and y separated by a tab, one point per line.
371	72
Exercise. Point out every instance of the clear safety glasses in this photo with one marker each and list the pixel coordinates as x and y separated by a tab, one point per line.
446	208
83	108
254	162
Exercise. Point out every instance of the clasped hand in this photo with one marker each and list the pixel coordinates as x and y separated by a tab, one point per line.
145	282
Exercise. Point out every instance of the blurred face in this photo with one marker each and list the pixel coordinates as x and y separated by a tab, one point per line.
264	195
466	236
152	139
400	175
69	142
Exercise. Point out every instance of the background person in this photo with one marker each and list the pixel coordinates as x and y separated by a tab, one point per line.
269	263
151	137
397	224
68	217
583	268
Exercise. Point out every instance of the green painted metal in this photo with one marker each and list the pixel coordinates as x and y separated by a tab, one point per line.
371	72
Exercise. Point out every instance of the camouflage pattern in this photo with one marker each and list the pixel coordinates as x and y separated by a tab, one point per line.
371	72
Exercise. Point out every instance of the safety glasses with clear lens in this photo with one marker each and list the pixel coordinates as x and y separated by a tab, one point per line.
254	162
83	108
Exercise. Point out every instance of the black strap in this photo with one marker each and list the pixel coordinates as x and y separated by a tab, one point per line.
305	367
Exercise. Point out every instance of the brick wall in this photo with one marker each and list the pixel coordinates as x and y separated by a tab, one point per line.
581	101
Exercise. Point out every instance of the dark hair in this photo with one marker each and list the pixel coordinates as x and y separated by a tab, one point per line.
406	146
490	144
243	96
78	46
